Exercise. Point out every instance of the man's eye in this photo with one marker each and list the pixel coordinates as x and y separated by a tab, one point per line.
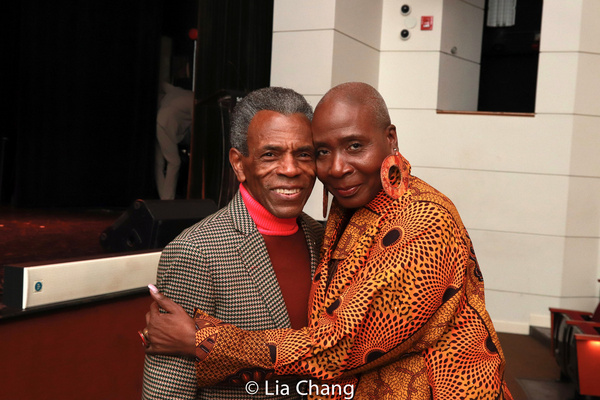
322	153
355	146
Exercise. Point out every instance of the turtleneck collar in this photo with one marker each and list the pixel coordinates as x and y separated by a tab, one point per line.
267	223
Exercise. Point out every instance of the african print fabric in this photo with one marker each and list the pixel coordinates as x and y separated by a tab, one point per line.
397	312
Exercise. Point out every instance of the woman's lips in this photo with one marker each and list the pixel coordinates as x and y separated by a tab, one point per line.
347	191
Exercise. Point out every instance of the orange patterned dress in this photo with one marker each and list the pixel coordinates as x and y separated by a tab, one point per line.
397	311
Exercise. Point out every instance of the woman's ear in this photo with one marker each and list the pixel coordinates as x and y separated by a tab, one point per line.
391	136
236	161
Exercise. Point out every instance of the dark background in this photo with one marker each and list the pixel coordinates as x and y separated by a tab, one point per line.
509	62
81	79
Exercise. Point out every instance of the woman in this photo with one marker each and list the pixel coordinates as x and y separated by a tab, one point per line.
397	307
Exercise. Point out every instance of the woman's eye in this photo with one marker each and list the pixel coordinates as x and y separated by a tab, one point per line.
322	153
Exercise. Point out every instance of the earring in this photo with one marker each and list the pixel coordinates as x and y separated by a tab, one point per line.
325	201
394	175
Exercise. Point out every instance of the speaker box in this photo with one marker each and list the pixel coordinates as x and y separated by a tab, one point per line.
152	224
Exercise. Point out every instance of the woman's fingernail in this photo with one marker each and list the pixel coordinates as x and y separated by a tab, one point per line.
153	288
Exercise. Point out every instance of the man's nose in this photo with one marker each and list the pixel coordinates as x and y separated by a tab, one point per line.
289	166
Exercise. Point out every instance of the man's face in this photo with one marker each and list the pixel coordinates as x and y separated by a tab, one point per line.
350	149
279	171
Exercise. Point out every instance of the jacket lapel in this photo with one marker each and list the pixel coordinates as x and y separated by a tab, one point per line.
313	244
255	258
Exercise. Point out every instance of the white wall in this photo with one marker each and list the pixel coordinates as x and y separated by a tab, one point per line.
568	87
527	188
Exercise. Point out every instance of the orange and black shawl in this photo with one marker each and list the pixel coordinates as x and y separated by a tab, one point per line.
397	310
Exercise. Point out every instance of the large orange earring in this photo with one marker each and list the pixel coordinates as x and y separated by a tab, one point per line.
394	175
325	201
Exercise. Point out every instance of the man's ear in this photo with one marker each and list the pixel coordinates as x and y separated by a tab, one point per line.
236	161
391	136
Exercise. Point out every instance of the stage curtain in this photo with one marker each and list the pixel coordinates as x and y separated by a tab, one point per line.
233	58
87	74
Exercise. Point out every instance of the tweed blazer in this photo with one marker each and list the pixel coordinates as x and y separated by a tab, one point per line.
221	265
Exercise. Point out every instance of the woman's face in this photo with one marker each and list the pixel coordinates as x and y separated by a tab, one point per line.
350	148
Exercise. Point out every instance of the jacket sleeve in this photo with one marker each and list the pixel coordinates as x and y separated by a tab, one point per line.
182	276
397	299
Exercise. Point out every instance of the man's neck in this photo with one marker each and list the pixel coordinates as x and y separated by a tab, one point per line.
267	223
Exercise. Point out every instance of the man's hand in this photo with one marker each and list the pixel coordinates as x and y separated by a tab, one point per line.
170	333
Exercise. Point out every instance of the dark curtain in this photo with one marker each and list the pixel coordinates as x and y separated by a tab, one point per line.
233	57
87	75
234	45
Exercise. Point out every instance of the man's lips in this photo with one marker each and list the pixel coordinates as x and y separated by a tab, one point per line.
287	191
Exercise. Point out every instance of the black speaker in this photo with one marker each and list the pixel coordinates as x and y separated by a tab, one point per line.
152	224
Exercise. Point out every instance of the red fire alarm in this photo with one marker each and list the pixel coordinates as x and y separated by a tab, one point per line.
427	23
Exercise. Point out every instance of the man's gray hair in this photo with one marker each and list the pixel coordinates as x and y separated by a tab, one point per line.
282	100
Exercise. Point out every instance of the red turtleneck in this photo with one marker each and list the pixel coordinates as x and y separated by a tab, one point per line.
289	256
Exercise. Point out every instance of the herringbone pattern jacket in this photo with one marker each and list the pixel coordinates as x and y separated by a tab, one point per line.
220	265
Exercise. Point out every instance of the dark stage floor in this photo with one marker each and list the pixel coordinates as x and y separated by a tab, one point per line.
39	235
44	235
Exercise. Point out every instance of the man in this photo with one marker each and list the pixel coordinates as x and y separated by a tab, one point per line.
251	263
397	304
173	122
